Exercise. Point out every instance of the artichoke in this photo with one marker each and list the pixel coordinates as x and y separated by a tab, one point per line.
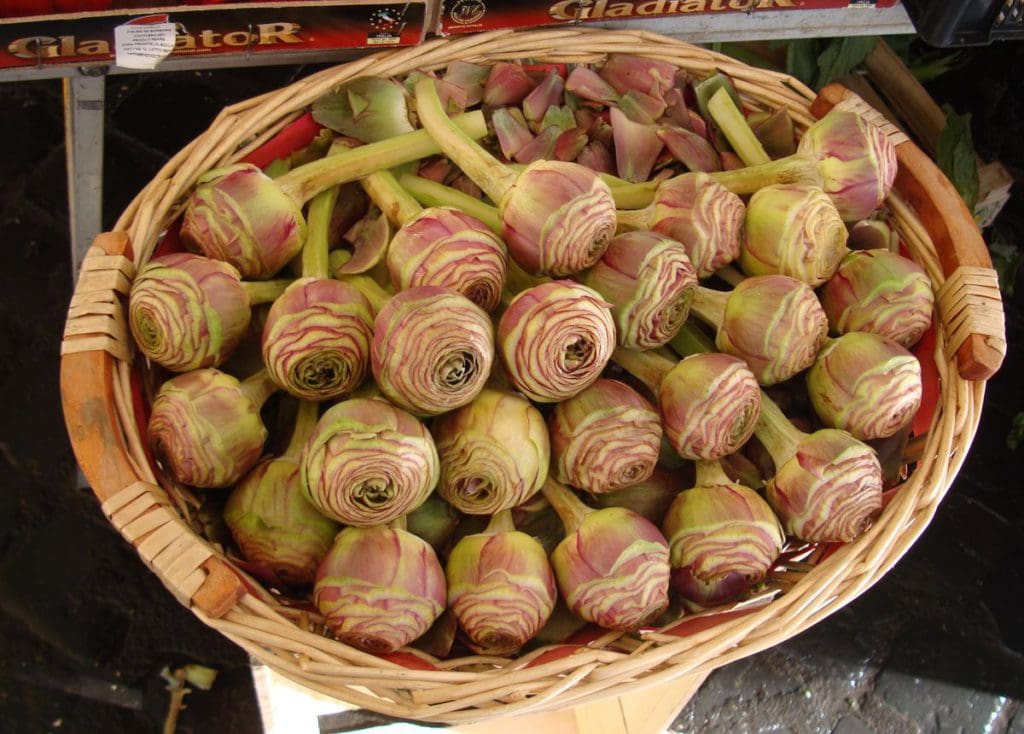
368	462
494	453
650	498
612	567
205	427
444	247
435	521
723	538
793	230
773	322
500	587
650	283
605	438
698	212
555	339
865	384
827	485
432	350
881	292
379	588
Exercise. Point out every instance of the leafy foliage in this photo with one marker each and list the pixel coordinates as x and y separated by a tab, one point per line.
956	156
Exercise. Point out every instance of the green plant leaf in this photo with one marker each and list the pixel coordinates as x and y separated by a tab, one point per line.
956	156
1016	436
841	55
1006	259
802	59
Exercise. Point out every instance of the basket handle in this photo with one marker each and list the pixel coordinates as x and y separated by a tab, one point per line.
95	339
969	302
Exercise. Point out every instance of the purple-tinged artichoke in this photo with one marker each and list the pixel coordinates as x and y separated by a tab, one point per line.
723	538
775	132
442	246
865	384
773	322
558	217
462	85
692	150
587	84
188	311
500	587
494	453
543	97
605	438
827	485
694	210
650	498
240	216
316	341
205	427
271	519
379	588
555	339
793	230
626	73
367	108
596	156
612	567
432	350
637	146
368	462
511	130
507	84
880	292
650	283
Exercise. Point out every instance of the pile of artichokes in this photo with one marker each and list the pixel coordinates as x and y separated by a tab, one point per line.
509	350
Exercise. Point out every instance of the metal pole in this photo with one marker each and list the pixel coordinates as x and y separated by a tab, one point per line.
83	135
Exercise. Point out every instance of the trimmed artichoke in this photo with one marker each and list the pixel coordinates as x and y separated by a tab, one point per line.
793	230
555	339
368	462
605	438
205	427
500	587
881	292
865	384
650	283
379	588
494	453
432	350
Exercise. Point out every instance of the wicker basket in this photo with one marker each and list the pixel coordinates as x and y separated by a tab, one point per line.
97	375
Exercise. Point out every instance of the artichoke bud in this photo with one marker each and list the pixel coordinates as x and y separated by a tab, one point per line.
865	384
432	350
444	247
723	539
776	324
274	524
368	462
710	404
379	588
205	428
316	341
187	311
793	230
555	339
494	453
650	282
605	438
501	588
239	215
881	292
558	218
856	160
435	521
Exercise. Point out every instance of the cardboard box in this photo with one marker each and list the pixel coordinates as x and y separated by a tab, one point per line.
467	16
240	29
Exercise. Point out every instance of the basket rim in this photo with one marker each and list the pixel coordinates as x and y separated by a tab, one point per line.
475	689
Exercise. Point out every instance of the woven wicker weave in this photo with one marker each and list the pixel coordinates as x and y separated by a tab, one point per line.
97	374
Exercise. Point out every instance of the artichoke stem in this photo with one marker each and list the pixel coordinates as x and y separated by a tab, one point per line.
648	367
631	195
316	251
399	523
265	291
691	340
709	305
490	174
258	388
733	124
501	522
518	280
794	169
303	183
370	288
306	417
711	473
398	205
569	507
629	221
431	193
730	275
775	431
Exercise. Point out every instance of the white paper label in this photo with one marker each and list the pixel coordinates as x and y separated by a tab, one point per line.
143	46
